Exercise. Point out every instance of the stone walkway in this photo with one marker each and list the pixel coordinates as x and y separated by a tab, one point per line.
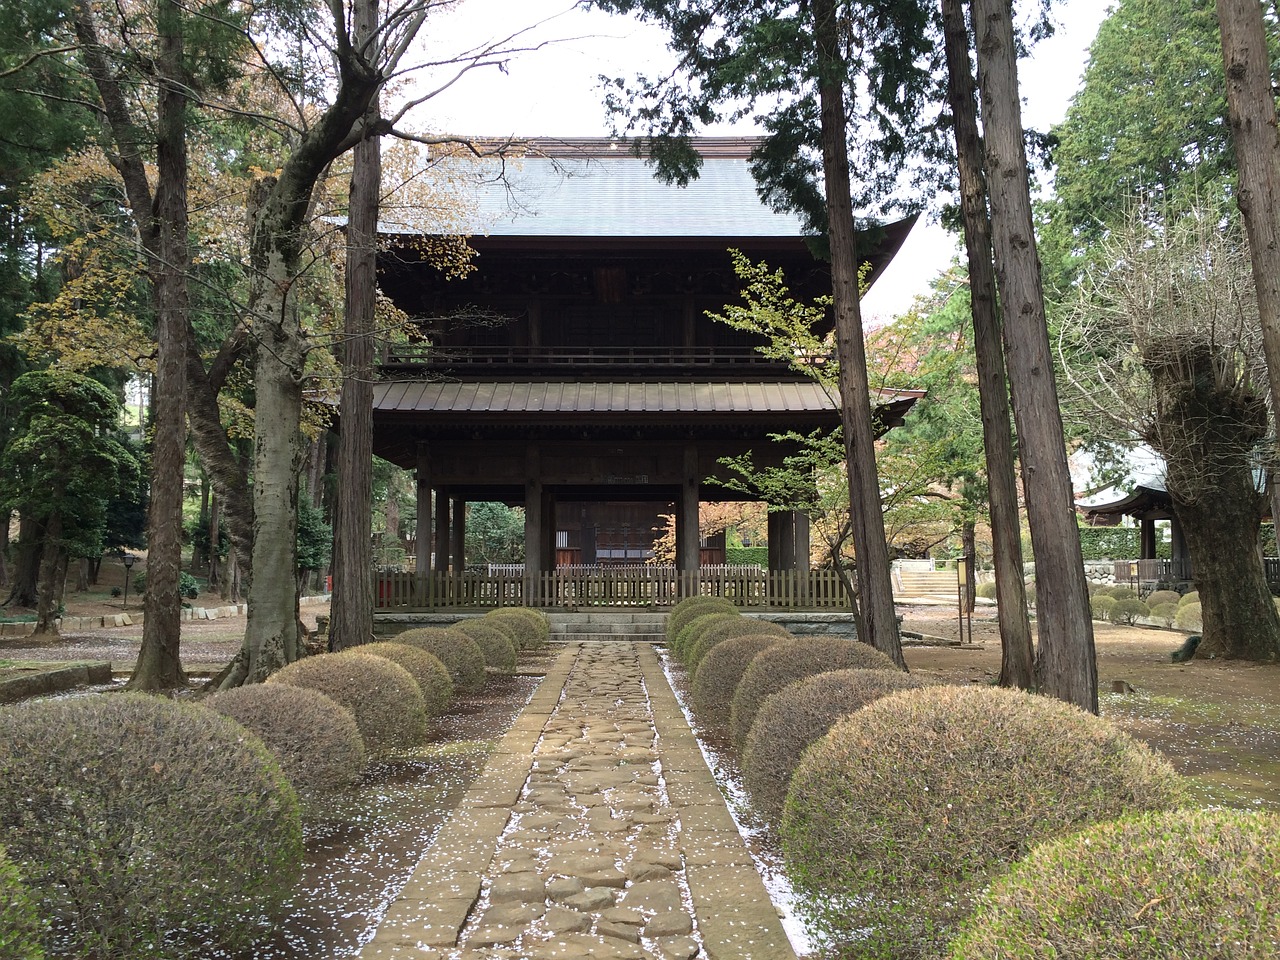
596	830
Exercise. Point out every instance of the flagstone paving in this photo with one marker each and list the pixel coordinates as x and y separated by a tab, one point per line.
595	831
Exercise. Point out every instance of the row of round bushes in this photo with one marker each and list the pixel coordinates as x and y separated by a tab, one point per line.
141	826
901	802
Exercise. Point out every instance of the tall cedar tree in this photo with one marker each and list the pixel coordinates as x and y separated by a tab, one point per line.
1017	667
351	620
798	59
1066	666
1251	110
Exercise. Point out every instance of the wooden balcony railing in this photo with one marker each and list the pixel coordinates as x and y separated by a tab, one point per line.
602	587
492	359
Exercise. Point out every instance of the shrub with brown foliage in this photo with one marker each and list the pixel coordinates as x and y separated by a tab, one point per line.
720	672
774	669
900	816
690	609
314	737
692	631
20	925
529	629
461	655
498	648
801	713
382	696
145	827
1187	883
427	669
726	630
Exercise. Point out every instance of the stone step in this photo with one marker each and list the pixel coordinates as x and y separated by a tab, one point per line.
608	616
912	583
619	629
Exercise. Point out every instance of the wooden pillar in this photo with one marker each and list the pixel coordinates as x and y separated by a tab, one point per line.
533	516
1147	548
458	546
422	544
775	540
689	319
442	532
688	542
548	529
800	521
787	548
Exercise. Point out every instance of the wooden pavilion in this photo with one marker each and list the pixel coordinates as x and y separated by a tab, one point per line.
576	373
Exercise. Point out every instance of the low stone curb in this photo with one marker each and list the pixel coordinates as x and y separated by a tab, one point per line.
54	681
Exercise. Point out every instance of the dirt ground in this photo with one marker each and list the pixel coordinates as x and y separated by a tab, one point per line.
1217	721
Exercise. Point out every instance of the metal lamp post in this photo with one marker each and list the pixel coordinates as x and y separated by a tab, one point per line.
129	560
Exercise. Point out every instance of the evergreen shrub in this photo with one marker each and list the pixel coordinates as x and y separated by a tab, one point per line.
1189	617
498	648
800	714
986	590
691	608
1192	597
529	629
20	926
691	632
905	811
1031	594
461	655
1165	613
727	629
1187	883
720	672
1101	605
1129	610
773	669
431	675
382	696
145	827
314	738
1122	592
1158	597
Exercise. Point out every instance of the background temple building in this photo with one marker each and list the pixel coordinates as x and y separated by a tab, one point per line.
575	372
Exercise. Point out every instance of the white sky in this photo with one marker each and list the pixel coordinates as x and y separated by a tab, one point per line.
553	91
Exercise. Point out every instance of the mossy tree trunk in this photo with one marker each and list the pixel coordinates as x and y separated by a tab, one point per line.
1207	434
52	577
24	591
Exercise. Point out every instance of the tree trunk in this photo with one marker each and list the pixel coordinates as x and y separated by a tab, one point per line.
271	632
1251	111
158	666
1016	649
52	578
215	536
4	547
82	575
968	548
351	614
24	591
879	620
1066	667
200	551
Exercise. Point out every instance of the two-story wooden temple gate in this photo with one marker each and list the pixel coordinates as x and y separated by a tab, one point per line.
577	373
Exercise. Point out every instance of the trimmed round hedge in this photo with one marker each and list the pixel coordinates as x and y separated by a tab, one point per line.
692	631
431	675
529	629
1192	597
314	737
898	818
1101	605
720	672
727	630
1157	597
690	608
382	696
800	714
774	669
1190	616
20	925
1189	883
497	646
142	826
1166	613
461	655
1129	610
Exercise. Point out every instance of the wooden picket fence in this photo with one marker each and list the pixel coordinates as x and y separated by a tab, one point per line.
604	587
